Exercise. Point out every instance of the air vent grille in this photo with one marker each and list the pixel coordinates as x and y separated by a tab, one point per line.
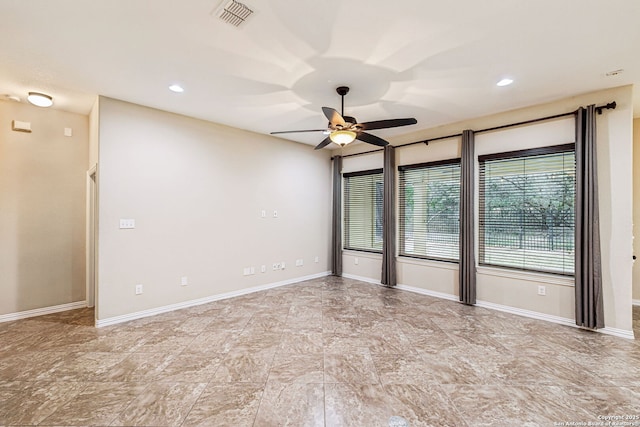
234	13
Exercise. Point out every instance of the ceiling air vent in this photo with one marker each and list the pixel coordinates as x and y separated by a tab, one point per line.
233	12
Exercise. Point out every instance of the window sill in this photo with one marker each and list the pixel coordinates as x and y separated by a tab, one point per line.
526	275
429	263
362	254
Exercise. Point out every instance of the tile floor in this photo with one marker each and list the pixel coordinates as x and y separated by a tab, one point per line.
327	352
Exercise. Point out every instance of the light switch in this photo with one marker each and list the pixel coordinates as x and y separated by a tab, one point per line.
127	223
68	132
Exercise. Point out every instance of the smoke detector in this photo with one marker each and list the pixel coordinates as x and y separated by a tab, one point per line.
233	12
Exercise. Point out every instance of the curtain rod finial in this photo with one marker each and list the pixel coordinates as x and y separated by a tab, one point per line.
609	106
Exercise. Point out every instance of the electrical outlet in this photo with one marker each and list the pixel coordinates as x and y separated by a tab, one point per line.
138	289
184	281
299	263
263	269
316	259
279	265
356	261
275	214
542	290
263	213
246	271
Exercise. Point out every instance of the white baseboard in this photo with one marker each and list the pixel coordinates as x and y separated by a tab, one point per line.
527	313
192	303
42	311
151	312
636	302
622	333
427	292
361	278
554	319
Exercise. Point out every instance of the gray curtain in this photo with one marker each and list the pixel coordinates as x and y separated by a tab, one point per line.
588	272
336	218
467	273
389	218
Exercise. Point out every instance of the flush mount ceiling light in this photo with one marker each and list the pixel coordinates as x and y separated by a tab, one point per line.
342	137
176	88
40	99
504	82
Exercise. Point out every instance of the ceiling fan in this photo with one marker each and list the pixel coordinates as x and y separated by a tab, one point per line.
344	129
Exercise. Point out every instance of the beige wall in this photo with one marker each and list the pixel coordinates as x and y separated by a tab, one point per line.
196	191
42	208
519	290
636	209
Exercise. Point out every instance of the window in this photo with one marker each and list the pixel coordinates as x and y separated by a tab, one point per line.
527	209
363	210
430	210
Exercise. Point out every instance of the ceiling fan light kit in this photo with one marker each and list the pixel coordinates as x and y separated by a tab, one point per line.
342	137
343	129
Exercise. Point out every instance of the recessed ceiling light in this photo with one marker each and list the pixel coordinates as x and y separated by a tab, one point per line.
504	82
40	99
176	88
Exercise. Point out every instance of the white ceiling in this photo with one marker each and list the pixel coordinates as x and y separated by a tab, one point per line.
437	61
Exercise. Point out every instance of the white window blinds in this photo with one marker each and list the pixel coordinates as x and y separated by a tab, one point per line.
526	213
430	210
363	210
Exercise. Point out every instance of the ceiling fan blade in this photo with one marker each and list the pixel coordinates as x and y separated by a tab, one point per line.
296	131
384	124
323	144
371	139
334	117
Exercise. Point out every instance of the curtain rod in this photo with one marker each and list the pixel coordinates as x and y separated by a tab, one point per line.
609	106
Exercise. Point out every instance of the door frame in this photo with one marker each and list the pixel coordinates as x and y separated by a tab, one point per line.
91	261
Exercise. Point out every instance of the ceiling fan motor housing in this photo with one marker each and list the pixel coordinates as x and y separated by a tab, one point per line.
350	121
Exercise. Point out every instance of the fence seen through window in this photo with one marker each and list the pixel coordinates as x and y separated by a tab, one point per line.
527	218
